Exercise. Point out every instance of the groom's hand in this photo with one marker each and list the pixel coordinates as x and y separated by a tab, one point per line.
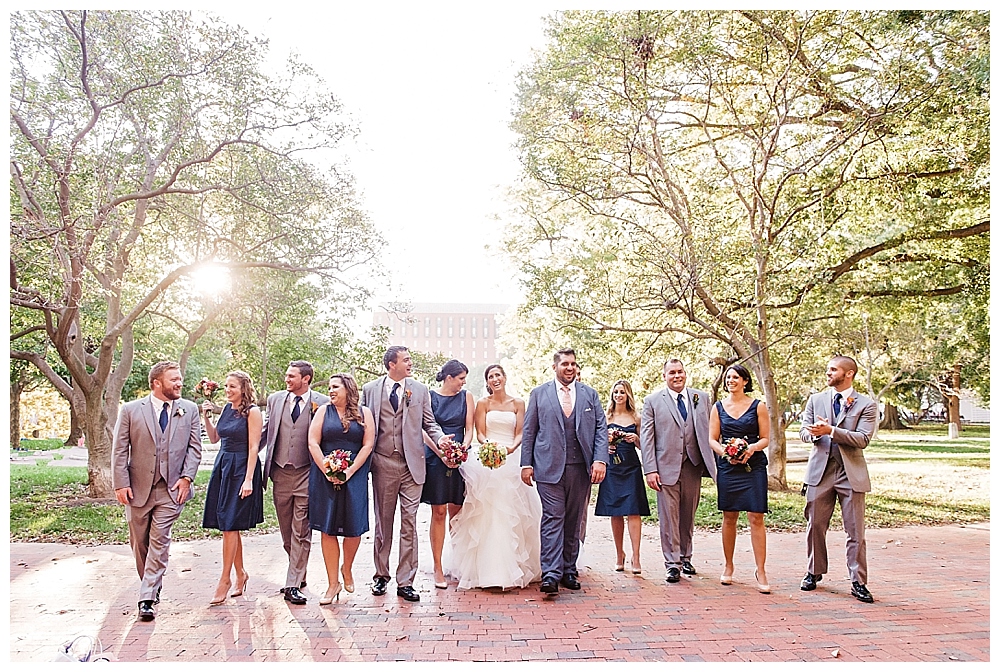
597	471
528	475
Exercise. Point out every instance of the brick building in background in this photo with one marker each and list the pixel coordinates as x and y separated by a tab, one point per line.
464	331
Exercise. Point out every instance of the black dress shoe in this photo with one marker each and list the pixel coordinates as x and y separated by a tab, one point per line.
407	593
549	586
294	596
687	567
810	581
570	581
673	575
146	612
301	586
859	591
378	588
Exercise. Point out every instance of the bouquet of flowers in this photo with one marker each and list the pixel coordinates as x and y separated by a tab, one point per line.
206	388
336	464
491	455
454	453
736	448
615	437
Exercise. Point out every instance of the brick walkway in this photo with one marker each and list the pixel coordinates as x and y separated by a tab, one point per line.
931	586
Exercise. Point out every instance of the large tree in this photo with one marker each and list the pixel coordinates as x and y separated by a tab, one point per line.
737	177
145	145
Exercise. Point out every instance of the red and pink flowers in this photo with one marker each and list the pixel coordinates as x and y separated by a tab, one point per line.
736	448
336	464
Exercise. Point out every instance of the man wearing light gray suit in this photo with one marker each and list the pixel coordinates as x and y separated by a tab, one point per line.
839	423
564	449
402	410
154	459
673	439
286	463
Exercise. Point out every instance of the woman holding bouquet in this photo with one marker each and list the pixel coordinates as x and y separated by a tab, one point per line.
444	488
495	539
738	433
341	438
234	500
622	493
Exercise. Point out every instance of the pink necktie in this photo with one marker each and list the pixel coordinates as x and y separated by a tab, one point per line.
567	403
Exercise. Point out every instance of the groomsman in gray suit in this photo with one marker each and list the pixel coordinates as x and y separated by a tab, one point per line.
286	463
839	423
564	450
402	410
154	460
673	438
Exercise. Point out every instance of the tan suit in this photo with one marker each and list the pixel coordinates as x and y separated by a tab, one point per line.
154	507
837	470
398	469
667	442
291	480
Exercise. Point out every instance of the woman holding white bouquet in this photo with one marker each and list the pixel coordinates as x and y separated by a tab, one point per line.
495	538
341	438
738	433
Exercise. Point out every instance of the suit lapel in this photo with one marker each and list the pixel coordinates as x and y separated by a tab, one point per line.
148	411
671	401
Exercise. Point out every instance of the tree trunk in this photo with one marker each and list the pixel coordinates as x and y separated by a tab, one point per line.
952	398
16	387
891	419
75	427
777	455
99	432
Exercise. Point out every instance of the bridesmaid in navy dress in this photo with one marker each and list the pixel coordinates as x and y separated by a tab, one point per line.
339	508
742	484
235	497
622	493
444	488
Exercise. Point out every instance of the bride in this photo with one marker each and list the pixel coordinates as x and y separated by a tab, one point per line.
495	538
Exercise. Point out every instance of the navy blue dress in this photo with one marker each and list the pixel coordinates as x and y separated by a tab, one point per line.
224	509
740	490
443	485
339	510
623	490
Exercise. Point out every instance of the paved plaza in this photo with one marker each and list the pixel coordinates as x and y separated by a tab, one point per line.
931	586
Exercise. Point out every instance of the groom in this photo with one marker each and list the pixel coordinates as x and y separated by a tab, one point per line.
402	411
564	449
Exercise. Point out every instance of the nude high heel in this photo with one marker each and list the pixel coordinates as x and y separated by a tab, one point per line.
762	587
331	595
241	586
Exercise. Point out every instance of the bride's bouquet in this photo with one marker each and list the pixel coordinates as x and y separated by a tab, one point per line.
491	455
336	464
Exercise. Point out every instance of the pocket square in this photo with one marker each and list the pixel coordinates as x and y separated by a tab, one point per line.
587	410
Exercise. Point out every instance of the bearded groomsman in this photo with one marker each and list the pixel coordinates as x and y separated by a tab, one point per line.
154	459
675	455
286	463
839	423
564	450
402	411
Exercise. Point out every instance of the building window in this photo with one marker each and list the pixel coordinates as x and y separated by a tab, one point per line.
461	327
427	327
439	329
486	327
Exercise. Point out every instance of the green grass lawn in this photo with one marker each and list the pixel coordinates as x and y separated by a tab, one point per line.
40	444
51	504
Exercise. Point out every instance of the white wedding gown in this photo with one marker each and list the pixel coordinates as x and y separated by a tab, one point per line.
495	539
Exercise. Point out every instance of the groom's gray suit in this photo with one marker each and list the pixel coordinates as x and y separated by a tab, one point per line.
562	451
677	450
150	462
837	470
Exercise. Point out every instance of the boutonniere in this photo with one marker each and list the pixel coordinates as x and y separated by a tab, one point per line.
406	396
850	402
314	407
179	413
695	399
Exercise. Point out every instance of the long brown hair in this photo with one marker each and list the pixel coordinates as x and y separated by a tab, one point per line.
353	410
247	395
629	402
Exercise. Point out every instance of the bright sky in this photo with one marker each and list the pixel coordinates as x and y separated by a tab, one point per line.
431	88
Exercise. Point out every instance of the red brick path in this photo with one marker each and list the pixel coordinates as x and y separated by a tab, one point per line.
931	586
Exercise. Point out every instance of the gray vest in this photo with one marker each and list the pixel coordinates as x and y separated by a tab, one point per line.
291	446
691	451
390	423
574	453
162	447
834	448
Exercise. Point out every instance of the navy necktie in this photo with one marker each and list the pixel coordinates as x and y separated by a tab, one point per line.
163	416
681	407
836	404
295	409
394	398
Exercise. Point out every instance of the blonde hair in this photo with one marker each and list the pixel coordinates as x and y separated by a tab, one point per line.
629	402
